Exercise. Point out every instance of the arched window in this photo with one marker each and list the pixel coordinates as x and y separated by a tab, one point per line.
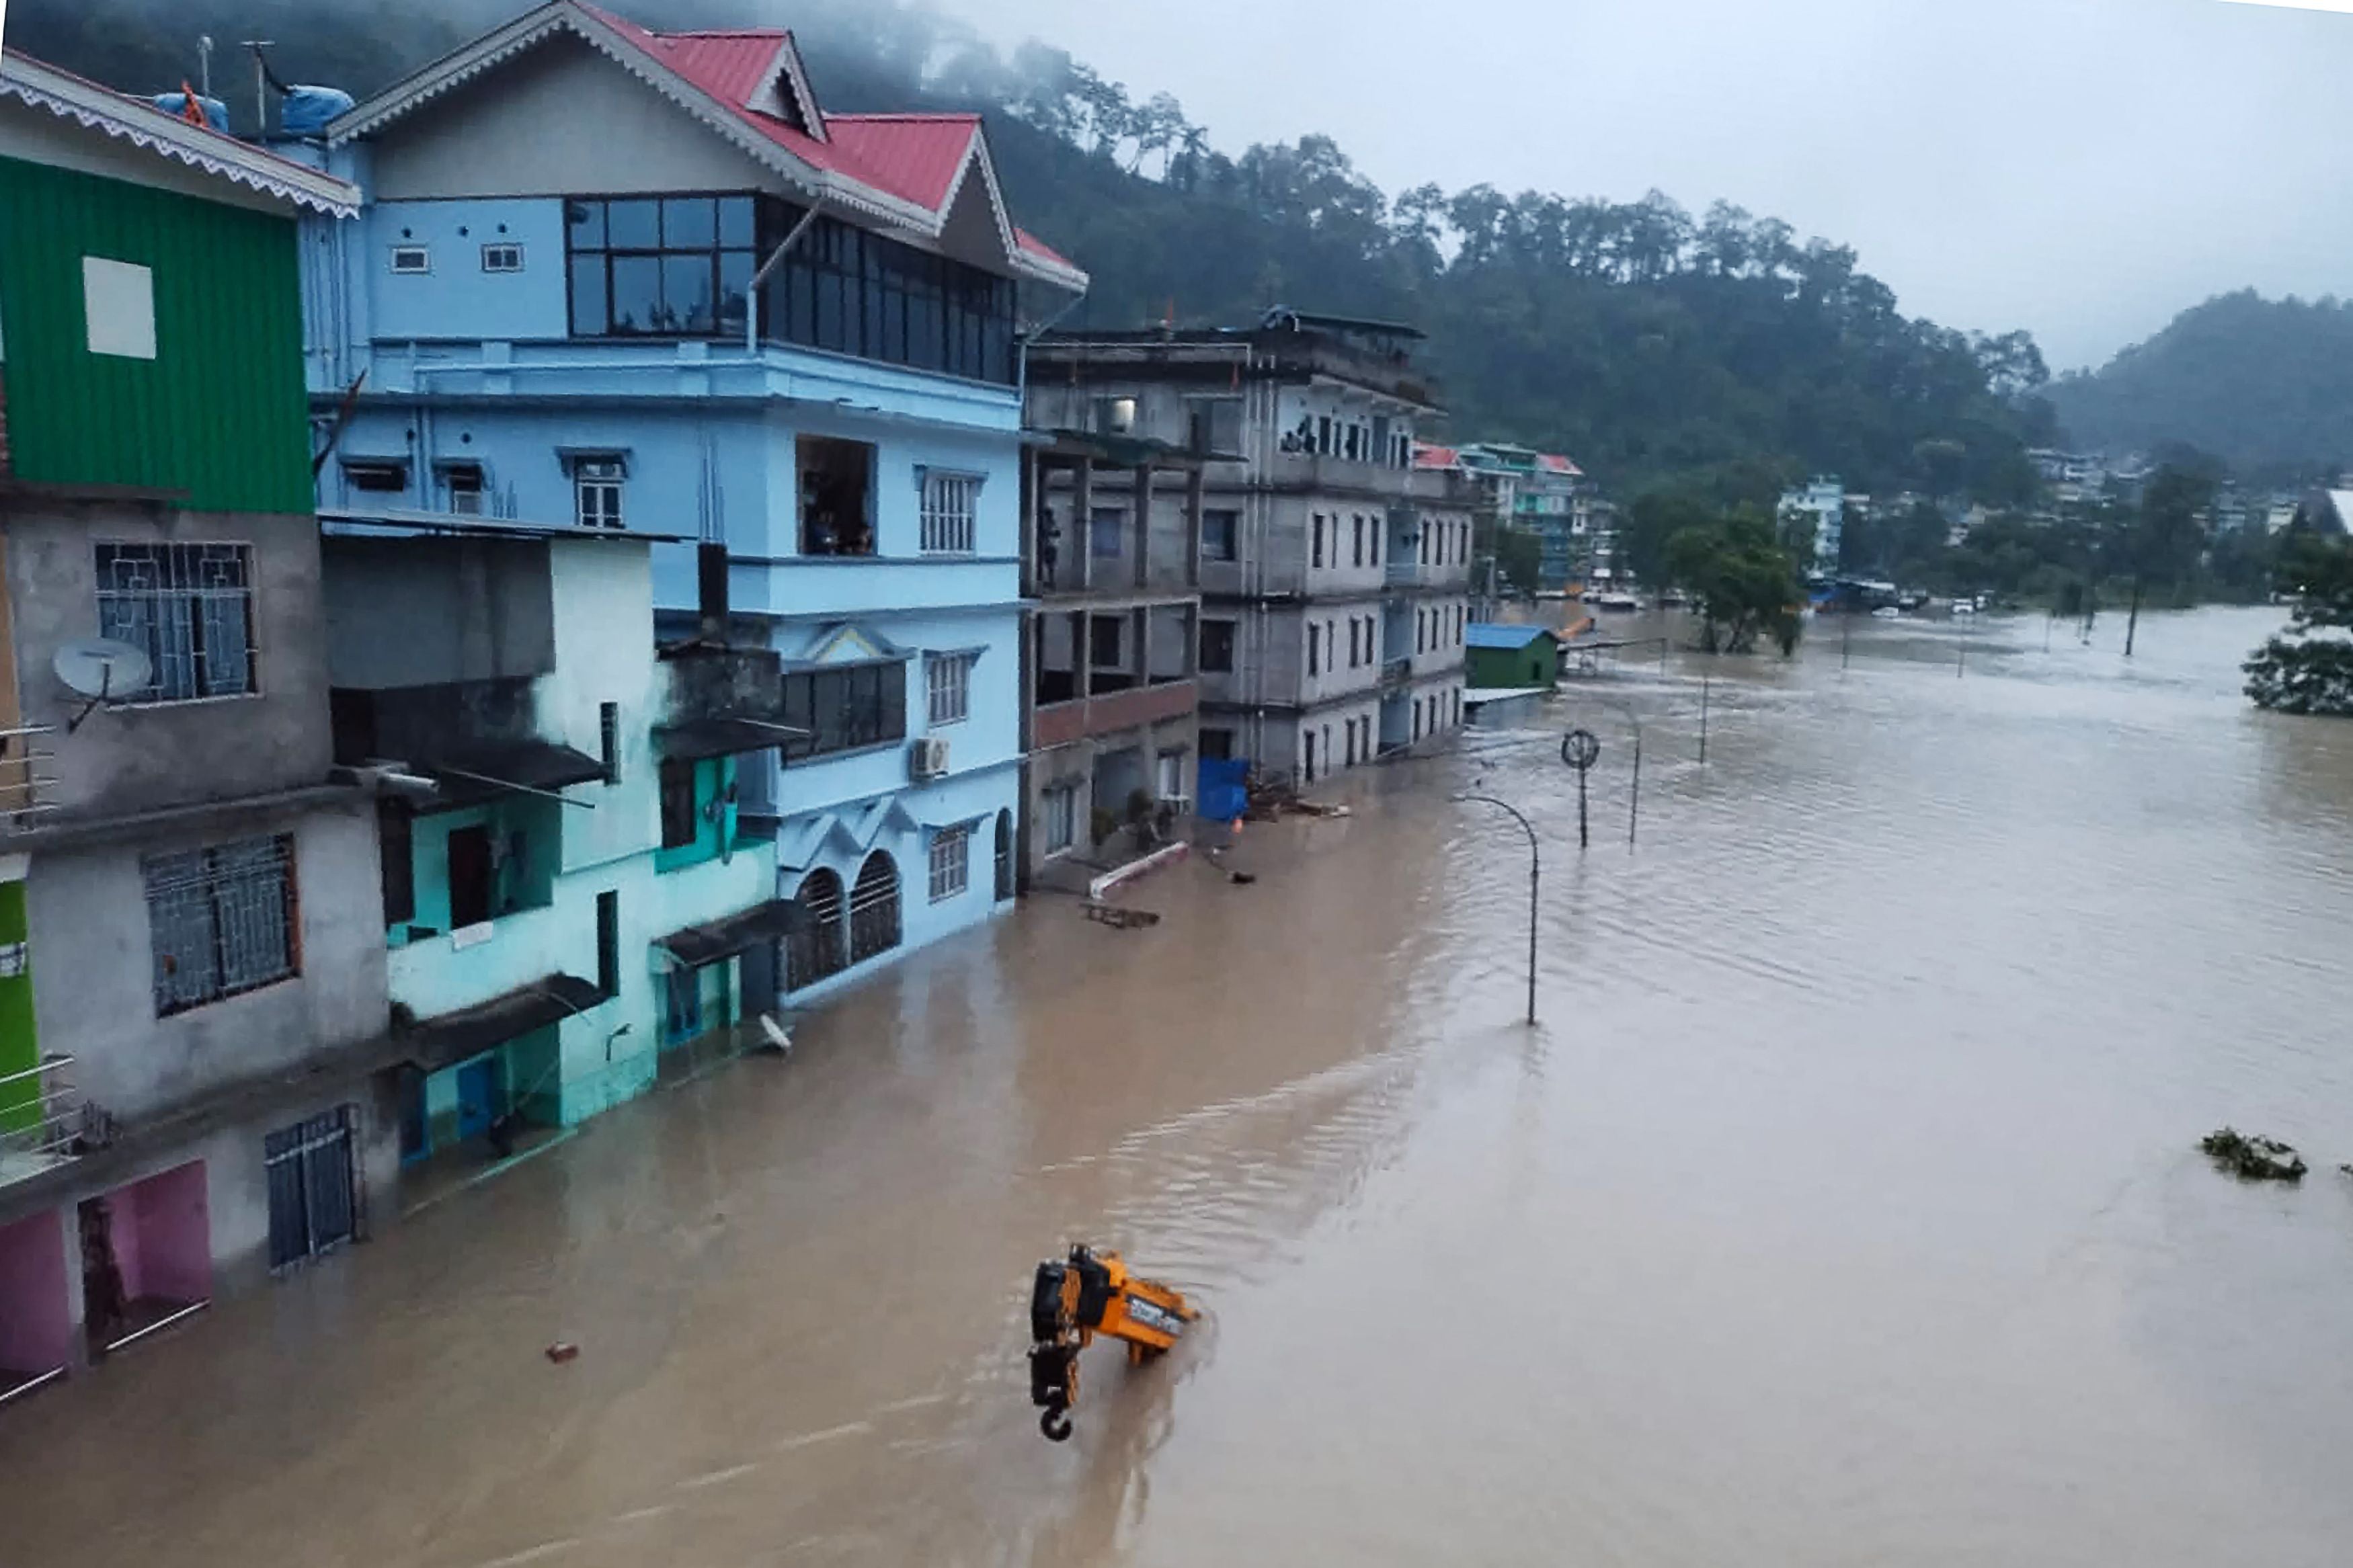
874	908
813	950
1004	855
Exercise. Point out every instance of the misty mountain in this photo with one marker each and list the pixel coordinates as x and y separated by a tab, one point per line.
1645	342
2264	384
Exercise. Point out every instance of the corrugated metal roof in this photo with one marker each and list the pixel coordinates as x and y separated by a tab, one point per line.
1427	456
1490	635
917	156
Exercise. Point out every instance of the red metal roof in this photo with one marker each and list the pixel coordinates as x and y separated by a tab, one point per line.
1036	247
1427	456
916	156
1558	464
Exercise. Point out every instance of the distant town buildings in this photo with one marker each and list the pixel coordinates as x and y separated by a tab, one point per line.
1820	507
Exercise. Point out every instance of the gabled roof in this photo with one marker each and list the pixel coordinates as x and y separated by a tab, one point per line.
905	170
1428	457
1491	635
1558	464
200	147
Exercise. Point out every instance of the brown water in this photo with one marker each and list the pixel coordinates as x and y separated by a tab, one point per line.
1844	1209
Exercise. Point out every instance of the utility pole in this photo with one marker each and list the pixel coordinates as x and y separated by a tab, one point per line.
205	63
1703	719
260	86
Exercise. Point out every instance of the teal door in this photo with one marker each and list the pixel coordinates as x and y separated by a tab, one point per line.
480	1096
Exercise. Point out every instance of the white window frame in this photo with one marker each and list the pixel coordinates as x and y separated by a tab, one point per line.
947	688
1062	814
950	509
502	255
950	860
411	261
597	484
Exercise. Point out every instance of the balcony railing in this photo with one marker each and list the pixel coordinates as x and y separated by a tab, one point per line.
27	792
1057	723
44	1120
1396	669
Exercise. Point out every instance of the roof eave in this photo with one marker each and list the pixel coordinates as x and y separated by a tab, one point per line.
42	86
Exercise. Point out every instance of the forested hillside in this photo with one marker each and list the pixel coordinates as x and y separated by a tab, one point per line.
1643	339
2264	384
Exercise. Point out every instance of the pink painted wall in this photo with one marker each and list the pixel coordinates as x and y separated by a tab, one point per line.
164	1236
35	1322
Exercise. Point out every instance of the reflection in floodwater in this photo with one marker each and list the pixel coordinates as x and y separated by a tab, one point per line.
1845	1209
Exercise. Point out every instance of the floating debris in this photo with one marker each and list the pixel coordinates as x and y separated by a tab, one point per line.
1120	916
2254	1159
562	1351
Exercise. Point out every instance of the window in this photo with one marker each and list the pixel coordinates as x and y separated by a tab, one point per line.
947	683
1104	639
1359	556
608	943
501	258
1348	733
596	490
814	948
1375	553
681	819
676	267
1004	855
1420	631
189	608
1307	739
1315	542
1215	425
950	862
1062	812
950	505
1217	745
1168	775
376	477
608	739
1323	434
118	300
1315	637
1356	632
471	875
308	1172
1217	647
1106	526
844	708
1348	446
221	920
1114	416
461	486
836	488
1220	534
874	908
411	258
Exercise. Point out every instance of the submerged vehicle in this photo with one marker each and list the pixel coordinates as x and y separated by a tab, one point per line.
1071	1303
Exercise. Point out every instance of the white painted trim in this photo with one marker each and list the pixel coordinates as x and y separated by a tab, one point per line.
143	125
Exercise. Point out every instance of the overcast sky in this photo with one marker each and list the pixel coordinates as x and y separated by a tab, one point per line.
2082	168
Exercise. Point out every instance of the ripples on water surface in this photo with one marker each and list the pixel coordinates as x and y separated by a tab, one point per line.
1844	1210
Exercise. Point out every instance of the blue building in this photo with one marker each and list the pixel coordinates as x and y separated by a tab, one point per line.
608	280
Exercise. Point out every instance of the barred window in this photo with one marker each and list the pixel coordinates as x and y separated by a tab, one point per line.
951	503
950	862
221	920
1061	817
947	680
189	608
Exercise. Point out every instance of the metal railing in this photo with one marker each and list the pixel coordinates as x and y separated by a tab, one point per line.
1396	669
61	1123
26	791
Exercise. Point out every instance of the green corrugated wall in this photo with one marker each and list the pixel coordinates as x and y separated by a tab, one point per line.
220	411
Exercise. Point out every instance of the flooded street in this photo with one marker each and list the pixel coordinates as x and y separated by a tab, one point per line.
1844	1209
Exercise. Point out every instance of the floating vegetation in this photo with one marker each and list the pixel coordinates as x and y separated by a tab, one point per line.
2254	1159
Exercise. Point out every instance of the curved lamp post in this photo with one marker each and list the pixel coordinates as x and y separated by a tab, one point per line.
1535	872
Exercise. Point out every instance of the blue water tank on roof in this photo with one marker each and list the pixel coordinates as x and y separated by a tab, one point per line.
308	110
175	104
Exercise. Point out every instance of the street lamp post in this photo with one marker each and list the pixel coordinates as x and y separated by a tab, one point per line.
1535	874
1634	804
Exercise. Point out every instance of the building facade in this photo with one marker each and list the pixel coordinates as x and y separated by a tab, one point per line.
1537	493
611	279
1112	559
191	998
1333	576
1820	507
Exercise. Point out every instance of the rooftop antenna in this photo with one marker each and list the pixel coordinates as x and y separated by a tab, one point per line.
102	669
205	62
260	85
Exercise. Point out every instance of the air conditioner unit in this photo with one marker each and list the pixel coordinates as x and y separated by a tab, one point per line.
928	757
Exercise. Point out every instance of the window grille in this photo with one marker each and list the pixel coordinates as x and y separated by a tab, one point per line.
951	506
189	608
221	920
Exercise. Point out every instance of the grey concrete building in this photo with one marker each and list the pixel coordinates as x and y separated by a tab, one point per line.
192	977
1333	576
1111	558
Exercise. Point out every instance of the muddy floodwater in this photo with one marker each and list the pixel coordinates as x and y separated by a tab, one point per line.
1843	1209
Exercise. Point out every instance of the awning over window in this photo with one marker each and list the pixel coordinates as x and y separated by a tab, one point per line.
698	945
438	1042
483	773
699	738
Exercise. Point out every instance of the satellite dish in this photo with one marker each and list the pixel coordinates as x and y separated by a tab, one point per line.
103	670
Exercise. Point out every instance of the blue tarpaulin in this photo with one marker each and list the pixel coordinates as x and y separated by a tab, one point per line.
1222	794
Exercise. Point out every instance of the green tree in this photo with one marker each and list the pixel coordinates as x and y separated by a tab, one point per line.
1743	577
1519	557
2299	671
